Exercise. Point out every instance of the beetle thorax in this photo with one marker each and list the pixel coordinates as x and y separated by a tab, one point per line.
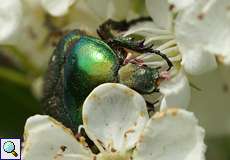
141	78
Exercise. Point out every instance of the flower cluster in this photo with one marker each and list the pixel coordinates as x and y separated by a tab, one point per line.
115	118
195	35
192	34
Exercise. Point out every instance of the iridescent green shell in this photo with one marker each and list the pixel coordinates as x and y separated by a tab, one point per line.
83	62
90	63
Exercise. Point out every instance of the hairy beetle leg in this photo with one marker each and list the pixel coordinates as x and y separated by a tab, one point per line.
152	106
105	29
130	43
139	46
105	32
130	59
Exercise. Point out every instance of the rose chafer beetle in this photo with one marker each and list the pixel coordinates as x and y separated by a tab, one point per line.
80	63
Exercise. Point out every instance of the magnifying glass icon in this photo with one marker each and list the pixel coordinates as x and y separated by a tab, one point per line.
9	147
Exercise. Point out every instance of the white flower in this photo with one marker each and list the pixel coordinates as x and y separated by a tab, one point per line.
214	98
105	9
190	33
10	16
203	29
178	5
176	92
164	31
115	118
57	7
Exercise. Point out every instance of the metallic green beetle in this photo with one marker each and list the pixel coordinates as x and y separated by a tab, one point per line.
81	62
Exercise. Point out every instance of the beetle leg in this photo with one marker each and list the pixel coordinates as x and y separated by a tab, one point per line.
133	60
105	29
128	58
105	32
139	46
170	65
152	106
130	43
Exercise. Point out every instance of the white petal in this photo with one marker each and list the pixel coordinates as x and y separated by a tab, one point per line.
159	11
45	138
215	92
176	92
146	29
226	60
174	134
100	8
104	9
180	4
121	9
57	7
204	27
195	61
114	116
10	17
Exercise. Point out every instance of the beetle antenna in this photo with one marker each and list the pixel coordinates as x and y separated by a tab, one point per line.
158	52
